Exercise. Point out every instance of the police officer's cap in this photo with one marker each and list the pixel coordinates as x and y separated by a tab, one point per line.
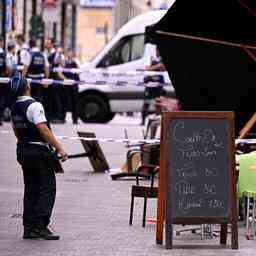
10	45
18	84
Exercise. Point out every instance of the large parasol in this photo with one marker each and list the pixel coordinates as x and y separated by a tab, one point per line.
209	48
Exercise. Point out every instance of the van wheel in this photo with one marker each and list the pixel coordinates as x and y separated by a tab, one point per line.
111	116
93	109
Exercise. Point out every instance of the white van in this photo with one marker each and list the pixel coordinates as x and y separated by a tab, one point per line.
127	51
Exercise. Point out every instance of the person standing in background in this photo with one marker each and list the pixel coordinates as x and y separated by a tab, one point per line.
3	72
55	93
38	68
60	62
49	52
49	47
156	63
71	92
154	91
11	58
23	55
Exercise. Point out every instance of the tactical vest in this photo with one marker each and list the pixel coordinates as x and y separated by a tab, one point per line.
2	64
51	58
53	64
71	64
26	131
37	63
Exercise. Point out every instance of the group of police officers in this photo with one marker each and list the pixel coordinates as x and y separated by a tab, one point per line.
36	64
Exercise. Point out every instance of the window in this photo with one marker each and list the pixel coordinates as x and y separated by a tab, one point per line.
128	49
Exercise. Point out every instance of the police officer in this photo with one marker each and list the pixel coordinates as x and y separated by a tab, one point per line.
33	141
154	90
38	68
23	54
55	96
3	87
11	58
71	92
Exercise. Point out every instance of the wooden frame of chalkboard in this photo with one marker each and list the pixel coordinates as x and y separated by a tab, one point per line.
197	173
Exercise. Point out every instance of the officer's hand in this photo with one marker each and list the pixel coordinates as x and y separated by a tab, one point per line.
63	155
44	83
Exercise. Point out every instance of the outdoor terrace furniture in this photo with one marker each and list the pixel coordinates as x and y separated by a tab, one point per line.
143	191
247	190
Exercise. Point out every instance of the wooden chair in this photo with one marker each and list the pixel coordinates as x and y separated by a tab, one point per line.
144	191
153	124
149	155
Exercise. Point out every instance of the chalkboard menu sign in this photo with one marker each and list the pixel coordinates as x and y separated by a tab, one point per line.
198	162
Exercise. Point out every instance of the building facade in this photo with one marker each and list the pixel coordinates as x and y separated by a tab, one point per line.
41	19
127	9
95	27
99	20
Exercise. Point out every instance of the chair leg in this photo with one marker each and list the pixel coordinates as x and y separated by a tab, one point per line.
247	218
144	212
253	218
202	231
131	211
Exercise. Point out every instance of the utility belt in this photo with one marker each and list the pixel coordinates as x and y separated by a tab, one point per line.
41	151
36	76
35	147
40	143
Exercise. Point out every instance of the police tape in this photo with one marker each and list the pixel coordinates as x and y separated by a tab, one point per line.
44	81
107	73
71	82
132	141
103	72
245	141
112	140
6	80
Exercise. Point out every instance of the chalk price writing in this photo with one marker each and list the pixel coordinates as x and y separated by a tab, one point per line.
184	188
210	172
206	136
187	171
215	204
185	204
210	189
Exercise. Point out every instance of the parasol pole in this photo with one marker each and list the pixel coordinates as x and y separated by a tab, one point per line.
250	54
205	40
252	12
247	48
247	127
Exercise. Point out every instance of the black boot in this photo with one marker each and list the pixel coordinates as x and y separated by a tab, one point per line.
30	233
47	234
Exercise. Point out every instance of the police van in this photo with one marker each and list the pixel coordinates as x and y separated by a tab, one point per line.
109	73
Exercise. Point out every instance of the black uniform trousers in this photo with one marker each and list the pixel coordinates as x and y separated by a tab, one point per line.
71	101
39	185
37	92
3	99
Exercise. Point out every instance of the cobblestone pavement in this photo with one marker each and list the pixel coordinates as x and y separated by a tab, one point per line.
91	211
